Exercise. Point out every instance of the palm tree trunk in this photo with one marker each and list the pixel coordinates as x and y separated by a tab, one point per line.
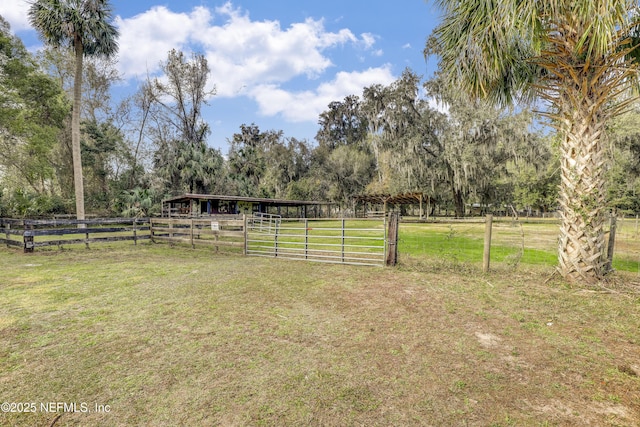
582	196
75	132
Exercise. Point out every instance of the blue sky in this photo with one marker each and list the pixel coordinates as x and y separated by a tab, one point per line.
275	63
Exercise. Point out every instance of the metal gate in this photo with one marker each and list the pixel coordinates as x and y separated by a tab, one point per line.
343	241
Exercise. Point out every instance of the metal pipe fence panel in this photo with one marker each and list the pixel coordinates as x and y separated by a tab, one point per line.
343	241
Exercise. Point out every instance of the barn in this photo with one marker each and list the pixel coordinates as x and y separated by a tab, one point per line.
199	205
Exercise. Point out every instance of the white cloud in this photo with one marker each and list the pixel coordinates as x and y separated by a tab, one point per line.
255	59
146	39
307	105
368	39
241	53
248	53
15	12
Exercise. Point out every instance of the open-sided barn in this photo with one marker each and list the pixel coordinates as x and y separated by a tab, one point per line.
196	205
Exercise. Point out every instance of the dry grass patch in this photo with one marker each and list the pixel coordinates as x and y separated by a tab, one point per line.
181	337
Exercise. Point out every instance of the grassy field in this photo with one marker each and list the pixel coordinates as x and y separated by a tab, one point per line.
513	243
528	242
157	336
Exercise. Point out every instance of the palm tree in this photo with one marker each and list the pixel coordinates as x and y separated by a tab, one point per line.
84	26
579	59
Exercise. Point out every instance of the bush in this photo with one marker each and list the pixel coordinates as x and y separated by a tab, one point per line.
139	203
23	204
4	209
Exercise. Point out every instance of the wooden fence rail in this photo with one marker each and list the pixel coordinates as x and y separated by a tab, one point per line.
195	231
33	233
361	242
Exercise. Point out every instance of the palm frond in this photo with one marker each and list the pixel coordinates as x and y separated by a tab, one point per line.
67	22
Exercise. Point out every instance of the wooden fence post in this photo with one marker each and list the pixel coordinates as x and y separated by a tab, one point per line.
486	258
612	242
7	227
275	237
135	235
392	239
193	246
27	237
246	235
343	225
306	238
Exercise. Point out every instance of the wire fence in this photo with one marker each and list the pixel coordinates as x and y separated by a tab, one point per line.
513	242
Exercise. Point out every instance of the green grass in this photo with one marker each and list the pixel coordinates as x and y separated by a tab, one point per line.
464	243
512	244
175	336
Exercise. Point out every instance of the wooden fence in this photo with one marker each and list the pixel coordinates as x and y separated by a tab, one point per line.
31	233
344	241
194	231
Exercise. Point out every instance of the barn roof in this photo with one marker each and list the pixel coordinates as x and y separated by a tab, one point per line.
280	202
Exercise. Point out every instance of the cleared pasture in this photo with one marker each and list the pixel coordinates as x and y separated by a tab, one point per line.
175	336
513	243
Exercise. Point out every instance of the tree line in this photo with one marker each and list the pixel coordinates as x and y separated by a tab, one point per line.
409	136
465	136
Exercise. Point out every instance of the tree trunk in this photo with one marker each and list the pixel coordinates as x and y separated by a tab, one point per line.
459	203
75	132
582	196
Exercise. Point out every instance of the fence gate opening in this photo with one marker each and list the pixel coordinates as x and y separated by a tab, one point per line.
343	241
